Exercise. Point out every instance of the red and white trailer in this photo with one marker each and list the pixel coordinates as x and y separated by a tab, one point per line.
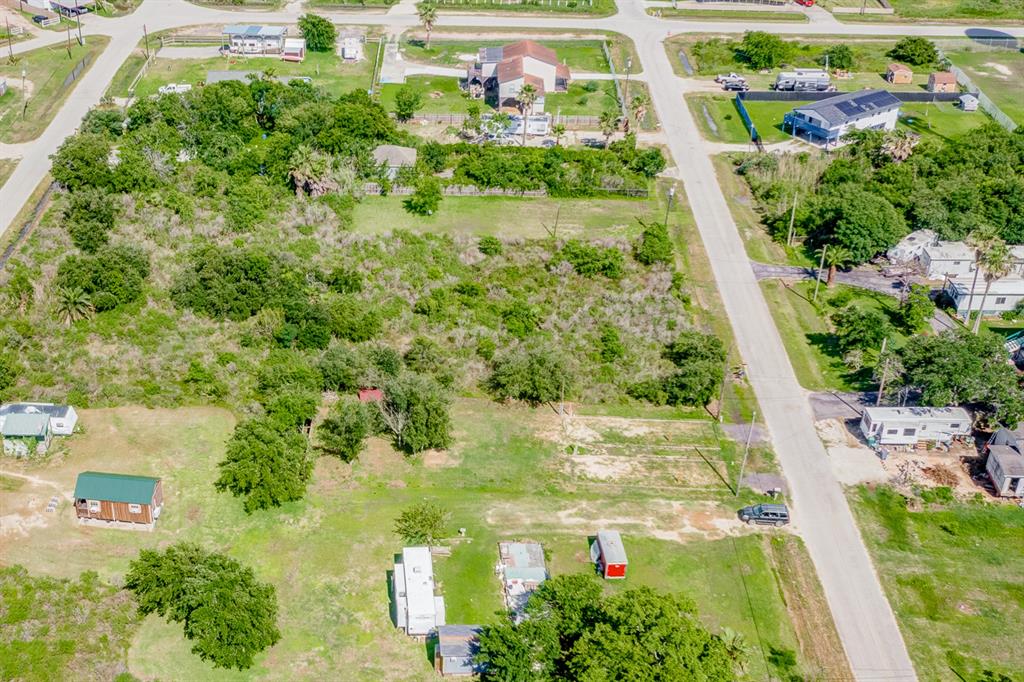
611	554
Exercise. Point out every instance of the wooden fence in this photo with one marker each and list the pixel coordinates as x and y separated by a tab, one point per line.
567	120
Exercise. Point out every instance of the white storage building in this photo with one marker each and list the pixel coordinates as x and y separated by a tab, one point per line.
947	259
908	425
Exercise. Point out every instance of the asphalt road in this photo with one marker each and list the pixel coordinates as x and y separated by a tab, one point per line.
862	615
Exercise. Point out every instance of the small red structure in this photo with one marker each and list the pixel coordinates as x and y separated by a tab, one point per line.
370	395
611	554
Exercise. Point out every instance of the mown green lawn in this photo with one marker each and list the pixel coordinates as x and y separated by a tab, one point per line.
590	8
329	555
728	124
579	55
952	573
45	68
326	70
999	74
438	94
942	120
727	15
586	98
1003	10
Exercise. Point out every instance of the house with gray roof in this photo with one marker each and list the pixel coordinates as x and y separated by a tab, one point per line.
456	649
522	569
826	121
26	434
63	418
1005	463
249	39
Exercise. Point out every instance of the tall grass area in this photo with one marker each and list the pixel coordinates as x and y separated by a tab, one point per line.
953	576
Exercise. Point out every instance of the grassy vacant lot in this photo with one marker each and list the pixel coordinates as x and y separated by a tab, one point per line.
727	15
1003	10
46	69
439	94
582	218
579	55
999	74
583	99
327	71
510	475
818	363
592	8
952	574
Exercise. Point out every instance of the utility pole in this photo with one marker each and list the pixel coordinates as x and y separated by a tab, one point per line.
817	277
885	369
746	452
24	101
671	195
629	65
69	41
78	15
145	34
792	219
10	38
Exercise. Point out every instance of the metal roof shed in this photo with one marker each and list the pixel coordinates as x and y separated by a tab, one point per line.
457	645
26	425
612	555
94	485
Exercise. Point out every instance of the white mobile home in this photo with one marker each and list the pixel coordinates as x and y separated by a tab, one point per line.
911	247
417	610
947	259
1003	295
908	425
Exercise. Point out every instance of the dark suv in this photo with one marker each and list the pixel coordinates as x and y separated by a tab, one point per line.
769	514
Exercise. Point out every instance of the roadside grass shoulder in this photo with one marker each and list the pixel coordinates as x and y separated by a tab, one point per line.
46	68
7	167
728	15
952	576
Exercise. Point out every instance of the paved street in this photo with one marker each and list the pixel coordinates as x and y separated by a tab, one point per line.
863	617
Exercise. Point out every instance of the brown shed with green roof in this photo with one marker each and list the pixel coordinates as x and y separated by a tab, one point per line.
118	497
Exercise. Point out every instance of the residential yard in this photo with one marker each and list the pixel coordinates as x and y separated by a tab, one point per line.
587	98
511	474
127	72
46	69
811	346
1002	10
438	94
579	55
942	120
952	574
326	70
727	15
999	74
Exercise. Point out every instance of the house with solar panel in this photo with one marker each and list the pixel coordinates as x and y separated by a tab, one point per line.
105	498
826	121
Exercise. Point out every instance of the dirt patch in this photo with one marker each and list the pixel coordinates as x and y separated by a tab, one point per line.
440	459
1000	69
852	462
816	634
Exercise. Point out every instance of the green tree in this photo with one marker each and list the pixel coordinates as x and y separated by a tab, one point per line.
319	32
608	122
762	50
490	246
227	614
851	217
82	161
558	130
525	100
996	262
860	328
265	465
959	368
416	412
426	198
424	523
638	107
836	256
407	102
427	13
72	305
915	50
610	346
837	57
343	433
699	359
654	245
9	371
535	375
916	309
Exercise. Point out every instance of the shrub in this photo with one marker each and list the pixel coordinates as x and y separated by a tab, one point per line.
345	281
9	371
203	381
426	198
343	433
590	260
654	245
407	101
112	276
490	246
288	369
422	524
915	51
837	57
320	33
535	375
610	346
353	320
520	319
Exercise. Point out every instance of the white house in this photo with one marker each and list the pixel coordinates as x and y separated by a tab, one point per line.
908	425
947	259
1003	295
968	102
911	247
826	121
294	49
1005	463
501	72
249	39
350	44
62	418
418	610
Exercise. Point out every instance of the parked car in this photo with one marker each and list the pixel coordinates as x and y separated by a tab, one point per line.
767	514
805	3
39	18
174	88
731	77
735	86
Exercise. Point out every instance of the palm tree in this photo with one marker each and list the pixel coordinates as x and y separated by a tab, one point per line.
836	257
558	130
997	262
609	123
73	304
524	102
428	17
981	239
311	171
736	647
638	109
899	145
